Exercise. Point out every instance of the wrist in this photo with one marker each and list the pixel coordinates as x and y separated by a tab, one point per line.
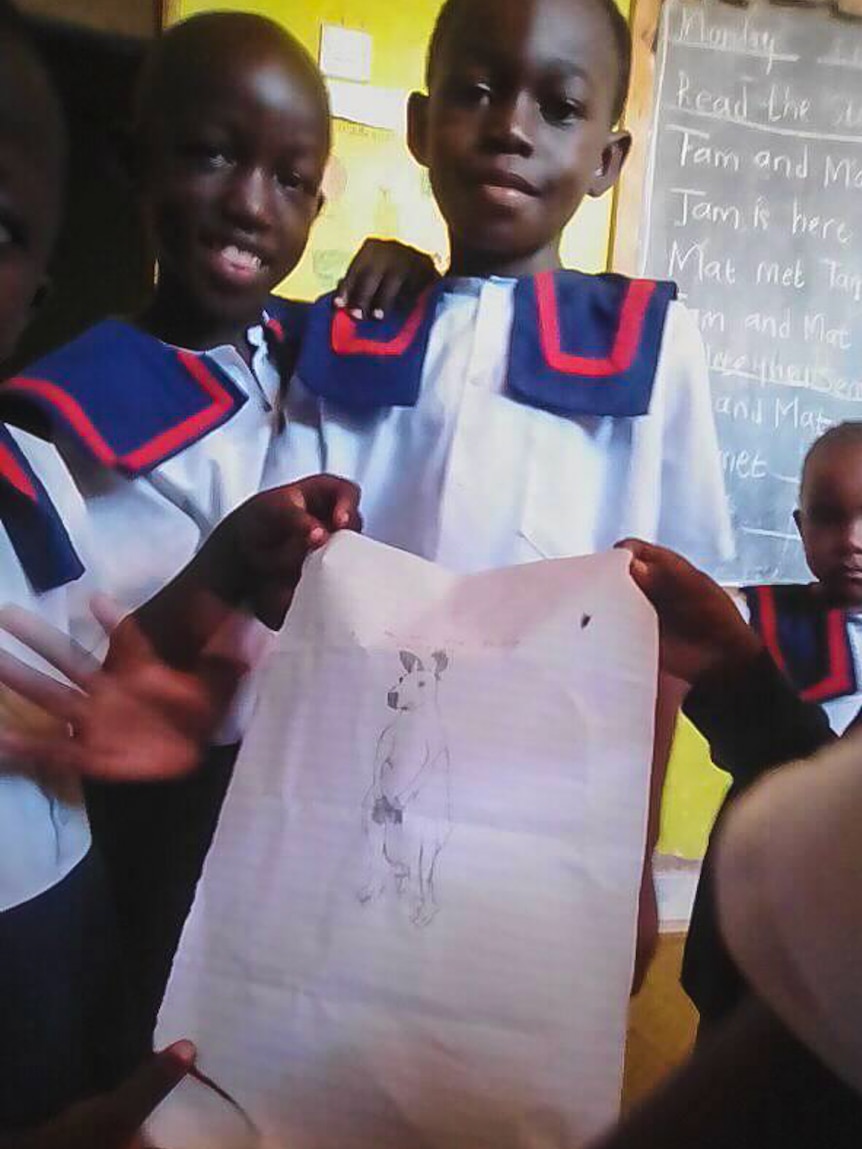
736	653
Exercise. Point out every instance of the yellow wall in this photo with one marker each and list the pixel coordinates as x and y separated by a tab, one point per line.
375	188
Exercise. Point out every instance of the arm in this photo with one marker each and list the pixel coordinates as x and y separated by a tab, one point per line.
384	274
170	673
787	865
114	1120
254	558
753	1086
752	717
739	700
668	701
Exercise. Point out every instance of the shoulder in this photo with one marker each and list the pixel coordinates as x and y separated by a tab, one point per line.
103	339
288	317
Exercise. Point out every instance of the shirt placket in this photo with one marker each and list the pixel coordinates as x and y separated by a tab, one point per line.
462	525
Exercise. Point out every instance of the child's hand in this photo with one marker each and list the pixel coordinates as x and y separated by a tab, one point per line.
701	629
133	719
383	273
261	547
113	1121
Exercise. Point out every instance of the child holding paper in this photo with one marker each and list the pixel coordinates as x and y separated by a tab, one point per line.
521	411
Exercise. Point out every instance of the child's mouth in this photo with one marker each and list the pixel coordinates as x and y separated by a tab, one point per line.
236	263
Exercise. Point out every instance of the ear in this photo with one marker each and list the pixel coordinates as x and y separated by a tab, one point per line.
797	518
409	661
441	661
614	155
417	127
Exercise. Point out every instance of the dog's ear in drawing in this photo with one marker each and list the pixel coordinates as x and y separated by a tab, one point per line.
441	663
410	661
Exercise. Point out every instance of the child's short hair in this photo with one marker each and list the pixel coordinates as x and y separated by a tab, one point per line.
168	57
619	27
847	434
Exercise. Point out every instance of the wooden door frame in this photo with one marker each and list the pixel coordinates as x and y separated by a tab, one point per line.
630	191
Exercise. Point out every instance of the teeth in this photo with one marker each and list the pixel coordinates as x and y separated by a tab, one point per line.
246	260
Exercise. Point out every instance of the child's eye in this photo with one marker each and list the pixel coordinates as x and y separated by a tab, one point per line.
562	110
210	155
472	92
11	232
291	180
826	517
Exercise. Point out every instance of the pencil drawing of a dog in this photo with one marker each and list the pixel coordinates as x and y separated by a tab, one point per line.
407	812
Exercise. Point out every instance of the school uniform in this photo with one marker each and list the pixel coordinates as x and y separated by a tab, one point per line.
60	978
162	443
504	421
819	652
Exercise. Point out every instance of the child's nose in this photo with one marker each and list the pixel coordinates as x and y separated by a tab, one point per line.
510	124
854	535
247	199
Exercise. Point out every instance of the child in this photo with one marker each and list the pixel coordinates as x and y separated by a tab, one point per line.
57	977
60	1000
814	633
572	409
167	421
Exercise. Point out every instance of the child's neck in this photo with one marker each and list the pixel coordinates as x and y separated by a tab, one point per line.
483	264
169	317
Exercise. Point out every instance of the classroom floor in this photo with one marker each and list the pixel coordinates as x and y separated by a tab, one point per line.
662	1023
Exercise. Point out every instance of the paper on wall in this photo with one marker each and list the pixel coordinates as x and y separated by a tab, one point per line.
368	104
416	924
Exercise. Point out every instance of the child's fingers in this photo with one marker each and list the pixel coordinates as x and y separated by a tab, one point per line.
361	291
395	288
55	647
107	613
345	513
59	700
49	754
128	1107
334	502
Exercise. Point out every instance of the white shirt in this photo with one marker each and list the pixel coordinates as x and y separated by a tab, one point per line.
145	530
148	528
43	827
472	479
789	887
839	711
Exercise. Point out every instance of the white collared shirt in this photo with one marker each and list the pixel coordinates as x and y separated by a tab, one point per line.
148	528
44	831
472	479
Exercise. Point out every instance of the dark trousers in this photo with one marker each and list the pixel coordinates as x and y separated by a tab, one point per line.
62	999
154	839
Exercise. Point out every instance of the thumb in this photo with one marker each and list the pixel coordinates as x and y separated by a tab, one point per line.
129	1106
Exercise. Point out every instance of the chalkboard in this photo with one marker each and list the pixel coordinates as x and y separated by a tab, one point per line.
754	206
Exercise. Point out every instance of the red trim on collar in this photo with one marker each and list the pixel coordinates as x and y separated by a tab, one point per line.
345	341
639	292
769	626
12	471
839	680
276	327
158	447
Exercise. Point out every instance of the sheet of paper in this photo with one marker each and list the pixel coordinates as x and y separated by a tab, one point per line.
368	104
345	52
416	924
